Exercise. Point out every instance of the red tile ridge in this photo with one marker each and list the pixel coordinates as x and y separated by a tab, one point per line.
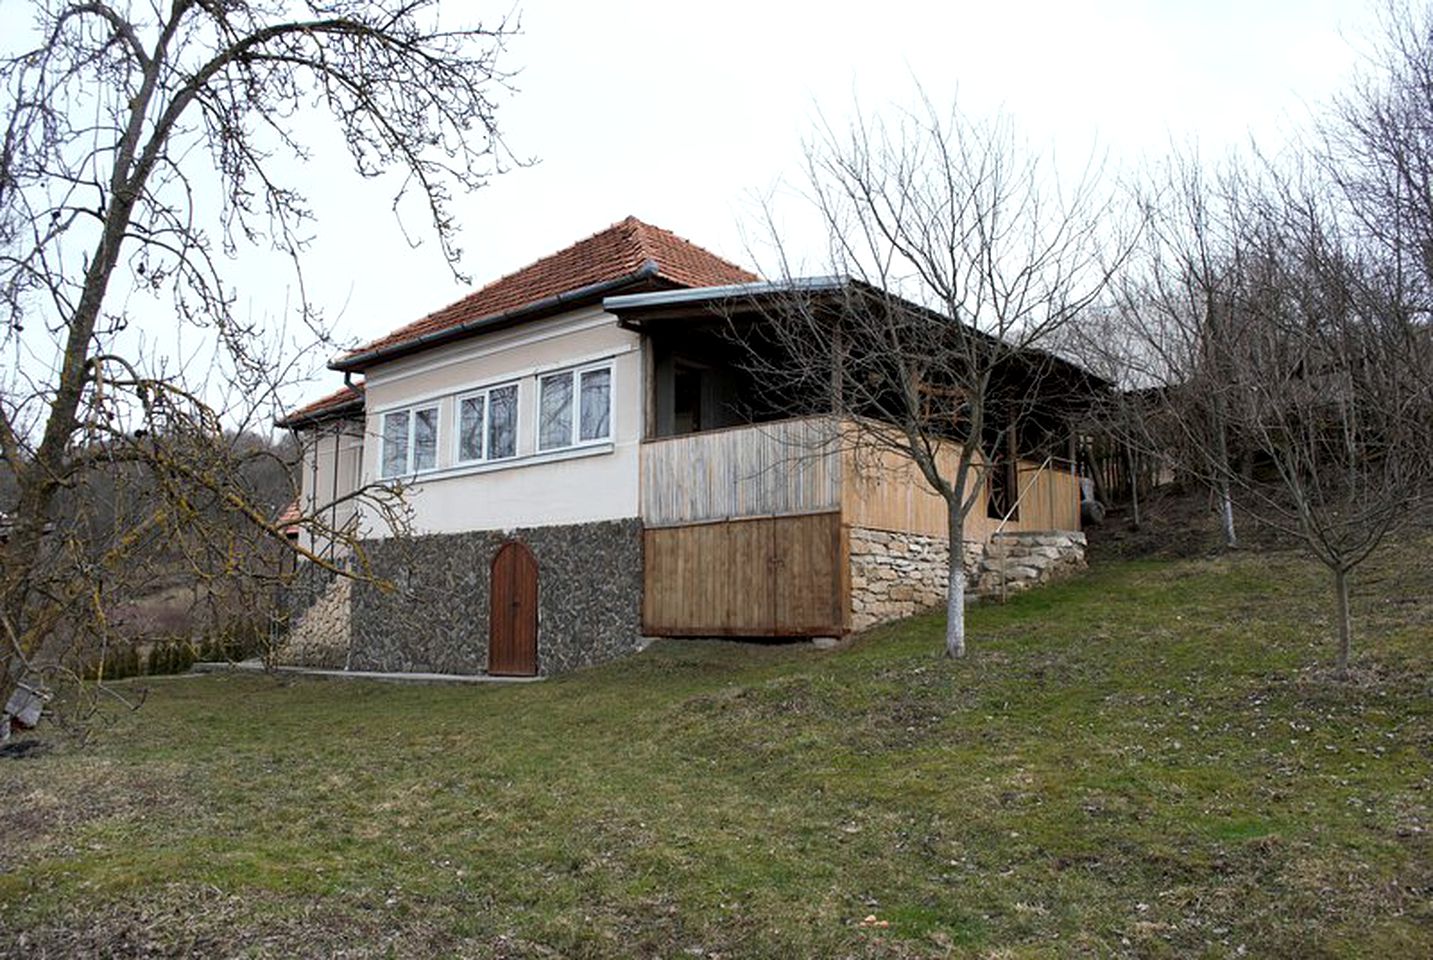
628	250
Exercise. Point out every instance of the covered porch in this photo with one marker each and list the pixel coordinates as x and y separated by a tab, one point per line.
749	530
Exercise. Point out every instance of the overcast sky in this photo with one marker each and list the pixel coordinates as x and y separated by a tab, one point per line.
685	118
685	114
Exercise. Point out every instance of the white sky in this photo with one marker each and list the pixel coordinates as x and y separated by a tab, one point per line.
684	114
685	120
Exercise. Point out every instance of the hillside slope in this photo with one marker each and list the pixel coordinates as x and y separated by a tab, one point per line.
1149	761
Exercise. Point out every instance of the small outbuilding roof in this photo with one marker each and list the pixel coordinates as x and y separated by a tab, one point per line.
340	403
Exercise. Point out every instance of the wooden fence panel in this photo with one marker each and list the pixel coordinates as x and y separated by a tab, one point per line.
777	576
885	491
812	575
768	469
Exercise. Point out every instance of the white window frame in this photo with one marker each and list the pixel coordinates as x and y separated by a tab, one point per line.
575	432
485	393
412	414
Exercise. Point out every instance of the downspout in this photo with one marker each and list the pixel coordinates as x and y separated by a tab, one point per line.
338	433
313	495
333	498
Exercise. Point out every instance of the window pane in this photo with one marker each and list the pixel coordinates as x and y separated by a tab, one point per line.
395	444
425	439
502	422
470	429
596	404
555	412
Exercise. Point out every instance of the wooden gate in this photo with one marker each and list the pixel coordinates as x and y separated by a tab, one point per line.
769	577
512	621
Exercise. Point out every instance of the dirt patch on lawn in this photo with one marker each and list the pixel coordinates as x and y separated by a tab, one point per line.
1177	523
47	803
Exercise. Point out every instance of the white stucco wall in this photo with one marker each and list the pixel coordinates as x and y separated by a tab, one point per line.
335	447
578	485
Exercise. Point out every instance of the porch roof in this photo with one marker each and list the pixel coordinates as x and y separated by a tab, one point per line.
735	291
635	310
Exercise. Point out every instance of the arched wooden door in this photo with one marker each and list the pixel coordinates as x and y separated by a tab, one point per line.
512	621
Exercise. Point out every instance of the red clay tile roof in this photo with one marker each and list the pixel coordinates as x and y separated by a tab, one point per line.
288	521
334	403
629	249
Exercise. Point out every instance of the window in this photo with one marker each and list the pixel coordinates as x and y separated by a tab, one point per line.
487	424
686	398
1002	482
574	407
410	441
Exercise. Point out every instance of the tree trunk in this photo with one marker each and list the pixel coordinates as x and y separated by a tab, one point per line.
39	480
1226	515
1226	497
1133	488
955	587
1345	619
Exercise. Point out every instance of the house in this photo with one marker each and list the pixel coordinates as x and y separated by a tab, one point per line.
585	463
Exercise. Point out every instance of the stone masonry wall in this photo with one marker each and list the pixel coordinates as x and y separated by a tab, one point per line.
1019	561
895	575
589	598
319	635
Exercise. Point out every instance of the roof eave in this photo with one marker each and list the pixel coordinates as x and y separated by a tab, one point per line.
637	303
336	412
735	291
356	362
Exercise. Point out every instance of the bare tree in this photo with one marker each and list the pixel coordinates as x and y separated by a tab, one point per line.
1163	335
1332	382
957	256
142	144
1378	146
1280	329
1289	318
1272	354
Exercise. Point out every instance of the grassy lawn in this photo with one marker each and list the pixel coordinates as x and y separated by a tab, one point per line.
1150	761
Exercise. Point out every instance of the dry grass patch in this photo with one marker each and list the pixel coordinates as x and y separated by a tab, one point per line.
1150	761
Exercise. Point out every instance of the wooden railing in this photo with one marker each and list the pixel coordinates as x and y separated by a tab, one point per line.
885	491
1052	499
803	466
782	468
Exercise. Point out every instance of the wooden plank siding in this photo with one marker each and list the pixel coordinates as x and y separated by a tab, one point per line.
795	467
747	530
771	469
1052	499
774	576
884	491
812	575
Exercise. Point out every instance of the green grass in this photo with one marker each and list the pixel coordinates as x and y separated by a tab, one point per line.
1152	760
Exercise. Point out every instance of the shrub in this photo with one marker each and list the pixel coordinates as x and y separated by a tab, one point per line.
115	663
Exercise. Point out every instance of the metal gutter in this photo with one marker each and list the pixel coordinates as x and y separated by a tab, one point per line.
664	298
646	271
335	411
822	284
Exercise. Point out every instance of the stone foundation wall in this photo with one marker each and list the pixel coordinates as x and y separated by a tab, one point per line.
318	634
589	598
895	575
1019	561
